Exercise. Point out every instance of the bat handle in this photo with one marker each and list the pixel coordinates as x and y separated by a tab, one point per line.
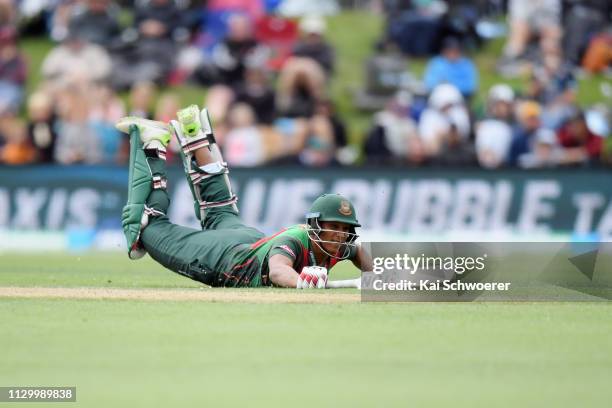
347	283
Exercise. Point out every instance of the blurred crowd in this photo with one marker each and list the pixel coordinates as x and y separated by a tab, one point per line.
266	68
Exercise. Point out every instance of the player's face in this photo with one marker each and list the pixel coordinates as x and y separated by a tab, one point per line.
336	233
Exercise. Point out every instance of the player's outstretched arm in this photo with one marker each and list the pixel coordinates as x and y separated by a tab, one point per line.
363	260
282	272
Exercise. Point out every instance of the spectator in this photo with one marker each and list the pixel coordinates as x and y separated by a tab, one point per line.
219	99
257	93
455	151
149	50
142	95
493	141
13	73
422	19
390	138
313	45
529	121
500	103
555	89
158	19
526	18
385	73
244	145
494	133
76	62
301	84
292	134
141	99
165	111
451	66
248	144
59	20
77	141
304	76
327	109
16	149
107	108
345	153
445	113
8	15
598	55
320	148
545	151
252	8
41	127
97	22
584	19
579	143
230	58
167	106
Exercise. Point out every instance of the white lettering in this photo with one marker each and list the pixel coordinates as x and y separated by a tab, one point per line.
586	203
535	206
251	201
501	206
83	207
57	209
401	206
432	201
28	205
473	199
605	225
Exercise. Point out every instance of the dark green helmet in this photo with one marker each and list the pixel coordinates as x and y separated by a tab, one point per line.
333	207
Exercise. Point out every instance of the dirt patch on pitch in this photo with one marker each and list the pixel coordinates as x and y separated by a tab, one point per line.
204	295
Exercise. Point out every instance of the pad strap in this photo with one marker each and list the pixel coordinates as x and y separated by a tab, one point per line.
204	205
156	152
159	182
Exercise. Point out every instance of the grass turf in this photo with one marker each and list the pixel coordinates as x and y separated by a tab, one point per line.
163	353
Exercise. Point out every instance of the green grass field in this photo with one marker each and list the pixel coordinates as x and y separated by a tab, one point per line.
125	353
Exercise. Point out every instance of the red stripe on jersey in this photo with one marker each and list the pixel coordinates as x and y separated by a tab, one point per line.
288	250
262	241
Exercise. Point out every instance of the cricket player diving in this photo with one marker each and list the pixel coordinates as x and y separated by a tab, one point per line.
225	252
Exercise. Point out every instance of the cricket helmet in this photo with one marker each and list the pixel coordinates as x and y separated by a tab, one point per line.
332	208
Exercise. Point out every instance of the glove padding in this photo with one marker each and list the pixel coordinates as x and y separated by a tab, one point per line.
312	277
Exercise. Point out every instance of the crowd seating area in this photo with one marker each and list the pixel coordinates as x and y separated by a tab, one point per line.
266	69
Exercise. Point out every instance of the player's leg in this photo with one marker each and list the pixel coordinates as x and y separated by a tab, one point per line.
147	180
146	226
207	173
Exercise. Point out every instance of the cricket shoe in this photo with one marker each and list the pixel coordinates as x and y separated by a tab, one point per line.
193	128
153	134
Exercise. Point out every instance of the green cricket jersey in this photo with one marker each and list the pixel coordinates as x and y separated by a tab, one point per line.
249	264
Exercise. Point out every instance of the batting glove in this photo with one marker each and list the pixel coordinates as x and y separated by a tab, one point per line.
312	277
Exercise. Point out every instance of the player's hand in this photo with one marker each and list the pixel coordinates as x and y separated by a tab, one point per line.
312	277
